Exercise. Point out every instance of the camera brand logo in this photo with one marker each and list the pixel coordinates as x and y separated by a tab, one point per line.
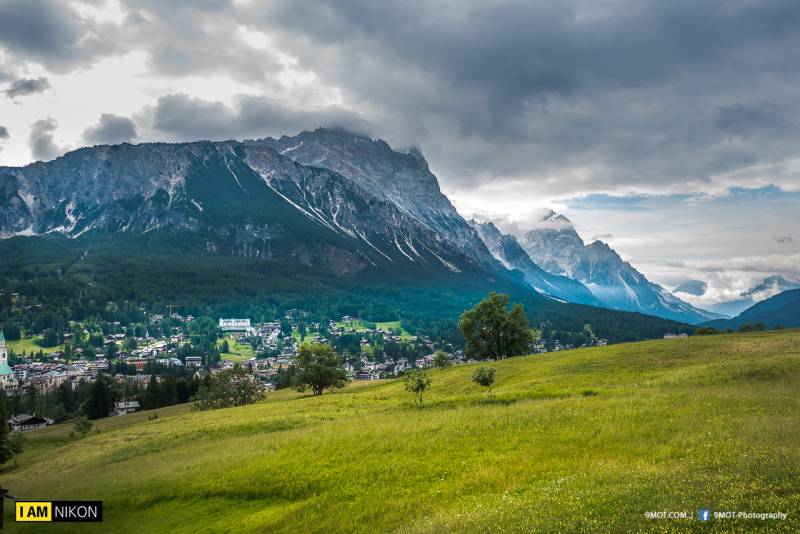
60	511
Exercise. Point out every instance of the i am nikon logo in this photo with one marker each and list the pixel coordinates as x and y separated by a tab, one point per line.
60	511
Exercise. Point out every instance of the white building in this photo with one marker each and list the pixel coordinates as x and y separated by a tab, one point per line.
194	362
22	422
229	325
124	408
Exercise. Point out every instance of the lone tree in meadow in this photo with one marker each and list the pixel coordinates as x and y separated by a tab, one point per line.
417	383
484	376
319	368
491	330
442	360
232	387
83	426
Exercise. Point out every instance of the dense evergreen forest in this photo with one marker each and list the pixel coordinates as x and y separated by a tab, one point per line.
45	282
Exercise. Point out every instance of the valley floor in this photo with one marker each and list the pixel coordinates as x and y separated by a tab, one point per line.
588	439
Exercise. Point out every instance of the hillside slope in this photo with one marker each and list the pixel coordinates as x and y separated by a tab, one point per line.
586	440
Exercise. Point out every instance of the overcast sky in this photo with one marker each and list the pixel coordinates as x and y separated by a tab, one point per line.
670	129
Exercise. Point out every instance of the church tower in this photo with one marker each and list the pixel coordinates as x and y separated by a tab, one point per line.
3	350
7	381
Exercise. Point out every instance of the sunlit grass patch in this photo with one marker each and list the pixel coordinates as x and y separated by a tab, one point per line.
587	440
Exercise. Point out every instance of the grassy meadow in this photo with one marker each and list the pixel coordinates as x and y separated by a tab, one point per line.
27	345
359	325
239	352
581	440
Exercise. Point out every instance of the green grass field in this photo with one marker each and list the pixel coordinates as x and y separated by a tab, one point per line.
28	346
359	326
582	440
238	352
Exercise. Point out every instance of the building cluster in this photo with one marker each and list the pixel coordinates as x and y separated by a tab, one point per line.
366	355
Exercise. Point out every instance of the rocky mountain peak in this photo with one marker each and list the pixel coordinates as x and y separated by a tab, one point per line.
555	245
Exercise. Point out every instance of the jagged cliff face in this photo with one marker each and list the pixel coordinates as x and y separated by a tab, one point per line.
402	179
249	199
508	251
326	199
556	247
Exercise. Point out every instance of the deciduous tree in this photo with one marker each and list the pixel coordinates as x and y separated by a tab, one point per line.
231	387
319	368
442	360
492	331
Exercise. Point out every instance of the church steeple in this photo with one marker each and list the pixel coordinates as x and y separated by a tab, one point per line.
6	375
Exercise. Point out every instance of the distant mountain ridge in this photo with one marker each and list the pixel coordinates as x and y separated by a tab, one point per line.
510	253
782	309
555	245
768	287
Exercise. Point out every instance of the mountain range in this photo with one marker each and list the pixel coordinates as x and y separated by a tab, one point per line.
556	247
782	309
328	200
769	286
246	199
508	251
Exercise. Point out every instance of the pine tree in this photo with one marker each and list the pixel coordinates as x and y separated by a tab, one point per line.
5	446
152	394
169	391
101	399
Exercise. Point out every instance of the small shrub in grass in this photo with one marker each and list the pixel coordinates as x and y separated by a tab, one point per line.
589	393
83	426
484	376
417	382
706	331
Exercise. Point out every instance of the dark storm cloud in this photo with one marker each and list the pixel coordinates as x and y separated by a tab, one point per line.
558	98
747	120
50	33
111	129
783	239
630	94
205	41
26	86
41	140
180	116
